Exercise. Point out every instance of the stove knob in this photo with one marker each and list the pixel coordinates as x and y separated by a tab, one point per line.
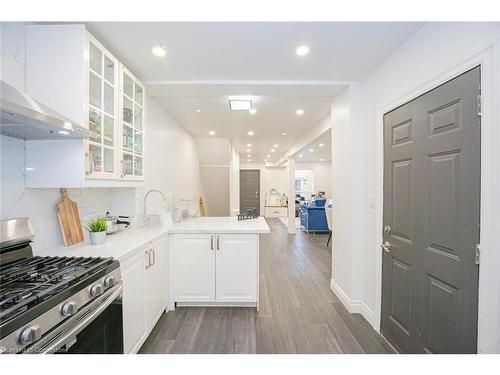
30	334
96	290
109	281
69	308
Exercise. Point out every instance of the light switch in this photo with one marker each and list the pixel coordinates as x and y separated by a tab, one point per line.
372	201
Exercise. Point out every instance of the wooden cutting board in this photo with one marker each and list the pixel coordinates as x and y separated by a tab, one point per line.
69	220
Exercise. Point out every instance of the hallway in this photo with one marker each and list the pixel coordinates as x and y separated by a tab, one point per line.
298	312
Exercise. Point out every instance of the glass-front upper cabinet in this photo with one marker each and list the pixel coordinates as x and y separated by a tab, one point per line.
131	126
102	112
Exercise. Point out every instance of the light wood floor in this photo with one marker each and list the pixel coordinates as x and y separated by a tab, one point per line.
298	311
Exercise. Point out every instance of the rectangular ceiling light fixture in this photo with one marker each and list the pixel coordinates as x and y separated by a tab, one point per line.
240	104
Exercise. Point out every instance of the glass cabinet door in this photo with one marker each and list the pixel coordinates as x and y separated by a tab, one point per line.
102	112
132	102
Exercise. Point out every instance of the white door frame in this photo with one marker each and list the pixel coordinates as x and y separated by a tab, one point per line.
488	290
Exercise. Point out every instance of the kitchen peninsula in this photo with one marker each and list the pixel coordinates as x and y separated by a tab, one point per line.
206	261
215	261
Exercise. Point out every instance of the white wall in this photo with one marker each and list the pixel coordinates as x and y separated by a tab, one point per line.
234	182
13	54
427	56
171	161
341	199
216	174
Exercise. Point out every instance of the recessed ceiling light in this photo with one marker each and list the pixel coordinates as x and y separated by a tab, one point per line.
311	150
250	133
265	159
198	110
299	112
211	132
301	156
276	145
249	145
64	132
273	150
249	156
302	50
248	150
249	160
321	145
321	159
284	133
268	156
240	104
252	111
159	51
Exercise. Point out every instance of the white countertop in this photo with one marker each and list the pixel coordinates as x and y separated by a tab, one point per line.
124	244
221	225
119	245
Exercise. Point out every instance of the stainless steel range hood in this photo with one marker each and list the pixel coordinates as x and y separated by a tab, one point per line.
25	118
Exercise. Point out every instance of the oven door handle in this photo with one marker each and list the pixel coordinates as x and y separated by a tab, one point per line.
70	337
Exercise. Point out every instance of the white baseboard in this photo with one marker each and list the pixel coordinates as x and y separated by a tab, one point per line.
353	306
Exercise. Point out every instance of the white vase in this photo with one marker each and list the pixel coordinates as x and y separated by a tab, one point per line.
98	238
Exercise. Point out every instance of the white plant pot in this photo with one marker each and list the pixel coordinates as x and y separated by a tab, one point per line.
98	238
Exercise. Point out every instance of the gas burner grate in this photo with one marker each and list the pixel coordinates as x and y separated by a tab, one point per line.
27	282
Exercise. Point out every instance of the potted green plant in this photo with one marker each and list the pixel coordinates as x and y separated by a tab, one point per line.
97	229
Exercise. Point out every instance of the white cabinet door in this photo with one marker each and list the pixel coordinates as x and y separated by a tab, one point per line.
194	268
135	329
132	99
102	118
157	285
237	268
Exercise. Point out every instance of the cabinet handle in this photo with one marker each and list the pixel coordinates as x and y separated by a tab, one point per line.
149	258
211	242
218	244
154	256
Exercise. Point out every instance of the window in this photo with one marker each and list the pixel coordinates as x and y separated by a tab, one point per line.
304	182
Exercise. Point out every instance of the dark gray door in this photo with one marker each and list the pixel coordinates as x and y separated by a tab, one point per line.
249	189
431	220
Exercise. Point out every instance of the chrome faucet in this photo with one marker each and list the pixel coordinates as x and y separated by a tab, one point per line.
145	201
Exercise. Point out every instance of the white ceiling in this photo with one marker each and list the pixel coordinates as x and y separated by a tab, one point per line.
320	152
252	50
208	61
275	115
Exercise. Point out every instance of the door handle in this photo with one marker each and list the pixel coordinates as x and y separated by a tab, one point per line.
386	246
218	244
211	242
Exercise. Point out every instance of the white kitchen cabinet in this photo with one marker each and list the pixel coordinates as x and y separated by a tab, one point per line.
194	268
135	314
216	269
145	293
157	283
74	74
236	268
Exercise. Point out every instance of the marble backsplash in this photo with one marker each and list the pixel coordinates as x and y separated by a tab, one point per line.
39	204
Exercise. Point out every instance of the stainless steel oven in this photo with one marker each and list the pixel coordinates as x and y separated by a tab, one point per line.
56	304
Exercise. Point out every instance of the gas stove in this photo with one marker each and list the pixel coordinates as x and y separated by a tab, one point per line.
48	303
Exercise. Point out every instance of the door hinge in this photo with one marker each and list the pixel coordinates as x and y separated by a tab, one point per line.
479	105
477	253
